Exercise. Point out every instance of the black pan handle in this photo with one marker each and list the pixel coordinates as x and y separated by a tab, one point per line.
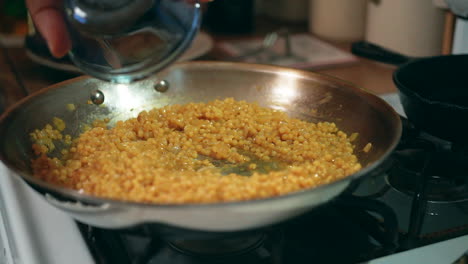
375	52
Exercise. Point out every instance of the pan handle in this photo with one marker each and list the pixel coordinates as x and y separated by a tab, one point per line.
375	52
76	206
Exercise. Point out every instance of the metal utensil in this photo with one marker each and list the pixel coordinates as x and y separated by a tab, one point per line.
267	43
269	56
301	94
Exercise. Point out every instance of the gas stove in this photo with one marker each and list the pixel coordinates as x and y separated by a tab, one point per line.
416	212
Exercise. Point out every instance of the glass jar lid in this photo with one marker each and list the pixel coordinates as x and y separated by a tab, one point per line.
128	40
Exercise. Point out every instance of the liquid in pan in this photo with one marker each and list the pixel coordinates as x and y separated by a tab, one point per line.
223	150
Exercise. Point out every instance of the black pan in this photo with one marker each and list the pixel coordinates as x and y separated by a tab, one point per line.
432	90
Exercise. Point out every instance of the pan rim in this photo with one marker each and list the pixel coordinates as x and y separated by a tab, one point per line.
76	196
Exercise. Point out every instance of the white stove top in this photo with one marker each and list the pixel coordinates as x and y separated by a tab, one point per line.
33	232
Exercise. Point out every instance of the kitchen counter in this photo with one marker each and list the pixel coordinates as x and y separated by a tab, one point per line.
373	76
21	76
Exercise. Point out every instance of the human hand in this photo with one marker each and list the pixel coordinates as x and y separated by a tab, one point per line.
49	21
48	18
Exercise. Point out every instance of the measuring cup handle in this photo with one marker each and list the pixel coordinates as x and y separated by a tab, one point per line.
375	52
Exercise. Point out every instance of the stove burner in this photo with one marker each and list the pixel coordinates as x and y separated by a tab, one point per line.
446	174
219	248
359	229
259	248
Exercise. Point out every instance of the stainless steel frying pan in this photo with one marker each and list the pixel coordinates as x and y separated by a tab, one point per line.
296	92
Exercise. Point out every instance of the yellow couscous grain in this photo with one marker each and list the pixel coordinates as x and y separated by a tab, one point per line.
367	147
71	107
192	153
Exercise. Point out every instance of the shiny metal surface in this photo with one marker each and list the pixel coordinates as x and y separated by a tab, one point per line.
304	95
97	97
162	86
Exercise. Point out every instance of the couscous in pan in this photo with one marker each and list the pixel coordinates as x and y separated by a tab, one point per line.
71	107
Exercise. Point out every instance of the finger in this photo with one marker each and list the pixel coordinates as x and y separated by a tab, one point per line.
48	18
